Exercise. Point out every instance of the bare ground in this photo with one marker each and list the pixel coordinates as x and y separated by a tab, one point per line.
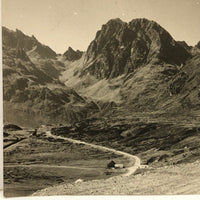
174	179
179	179
39	162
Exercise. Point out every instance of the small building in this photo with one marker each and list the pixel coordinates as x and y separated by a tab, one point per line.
111	164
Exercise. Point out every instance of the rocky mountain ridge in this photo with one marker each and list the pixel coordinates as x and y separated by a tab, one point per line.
33	93
17	39
120	48
136	64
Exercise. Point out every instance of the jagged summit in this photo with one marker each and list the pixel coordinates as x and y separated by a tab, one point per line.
144	22
72	55
17	39
121	47
114	22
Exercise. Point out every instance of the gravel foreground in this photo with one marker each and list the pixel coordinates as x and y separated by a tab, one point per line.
179	179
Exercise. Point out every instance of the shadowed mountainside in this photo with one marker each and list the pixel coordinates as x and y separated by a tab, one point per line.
32	91
17	39
120	48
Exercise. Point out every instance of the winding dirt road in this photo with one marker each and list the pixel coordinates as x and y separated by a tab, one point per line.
133	159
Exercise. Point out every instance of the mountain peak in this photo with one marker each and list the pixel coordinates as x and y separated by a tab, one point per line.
143	21
121	47
115	21
70	48
72	55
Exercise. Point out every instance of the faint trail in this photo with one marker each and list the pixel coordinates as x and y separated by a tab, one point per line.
130	170
48	166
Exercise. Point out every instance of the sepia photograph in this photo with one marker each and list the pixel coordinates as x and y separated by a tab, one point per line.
100	97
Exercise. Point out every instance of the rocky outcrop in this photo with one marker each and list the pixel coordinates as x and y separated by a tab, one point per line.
72	55
119	48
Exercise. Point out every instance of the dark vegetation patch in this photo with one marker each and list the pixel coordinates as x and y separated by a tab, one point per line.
12	127
5	134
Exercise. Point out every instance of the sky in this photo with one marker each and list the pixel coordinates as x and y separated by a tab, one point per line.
63	23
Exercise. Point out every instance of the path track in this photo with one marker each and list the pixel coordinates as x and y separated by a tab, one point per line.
48	166
134	159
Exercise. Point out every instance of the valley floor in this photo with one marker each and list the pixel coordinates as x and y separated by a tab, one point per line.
179	179
172	179
49	165
37	162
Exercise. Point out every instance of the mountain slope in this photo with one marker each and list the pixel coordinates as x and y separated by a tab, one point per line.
136	63
17	39
146	85
32	91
